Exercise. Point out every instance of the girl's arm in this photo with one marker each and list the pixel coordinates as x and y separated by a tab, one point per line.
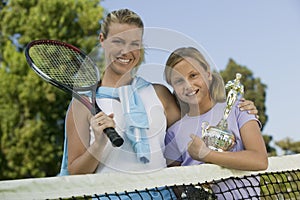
82	157
173	163
254	157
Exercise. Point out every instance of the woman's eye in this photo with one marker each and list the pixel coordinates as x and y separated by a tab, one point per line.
136	44
117	41
177	81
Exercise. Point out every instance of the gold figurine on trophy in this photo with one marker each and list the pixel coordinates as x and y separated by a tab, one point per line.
219	138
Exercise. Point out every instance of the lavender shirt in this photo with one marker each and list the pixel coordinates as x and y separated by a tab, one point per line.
178	135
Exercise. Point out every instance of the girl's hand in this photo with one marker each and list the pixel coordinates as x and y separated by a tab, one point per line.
249	106
99	122
197	148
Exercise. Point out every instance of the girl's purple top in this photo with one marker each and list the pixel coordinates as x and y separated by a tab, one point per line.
178	135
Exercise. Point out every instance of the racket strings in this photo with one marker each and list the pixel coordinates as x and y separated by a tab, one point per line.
64	65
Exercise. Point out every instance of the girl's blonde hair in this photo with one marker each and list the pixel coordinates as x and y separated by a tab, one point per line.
123	16
216	86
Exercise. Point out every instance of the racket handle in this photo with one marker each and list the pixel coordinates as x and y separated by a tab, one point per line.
111	133
114	137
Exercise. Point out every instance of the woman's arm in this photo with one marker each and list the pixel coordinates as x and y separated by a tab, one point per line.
82	157
249	106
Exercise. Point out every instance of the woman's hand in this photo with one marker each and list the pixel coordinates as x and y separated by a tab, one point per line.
249	106
99	122
197	148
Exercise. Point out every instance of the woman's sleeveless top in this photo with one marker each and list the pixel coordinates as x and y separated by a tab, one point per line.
124	159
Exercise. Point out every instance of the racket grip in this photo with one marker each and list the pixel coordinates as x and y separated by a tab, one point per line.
114	137
111	133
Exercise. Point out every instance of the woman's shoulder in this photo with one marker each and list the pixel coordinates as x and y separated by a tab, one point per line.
79	109
169	102
162	92
161	88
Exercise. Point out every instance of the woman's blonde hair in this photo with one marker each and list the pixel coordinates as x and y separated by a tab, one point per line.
216	86
123	16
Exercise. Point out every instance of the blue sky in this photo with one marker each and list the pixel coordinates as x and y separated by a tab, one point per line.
263	35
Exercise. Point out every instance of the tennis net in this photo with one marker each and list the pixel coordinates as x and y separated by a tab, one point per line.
280	181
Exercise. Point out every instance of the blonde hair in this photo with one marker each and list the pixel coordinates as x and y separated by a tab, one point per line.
123	16
216	87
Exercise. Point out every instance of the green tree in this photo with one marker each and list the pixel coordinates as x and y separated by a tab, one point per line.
31	110
289	146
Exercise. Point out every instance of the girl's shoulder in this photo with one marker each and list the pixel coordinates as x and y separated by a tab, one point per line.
183	122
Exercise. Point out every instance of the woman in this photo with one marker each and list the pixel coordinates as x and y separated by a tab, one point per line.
121	38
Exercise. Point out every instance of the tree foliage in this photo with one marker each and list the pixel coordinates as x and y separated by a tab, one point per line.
32	111
289	146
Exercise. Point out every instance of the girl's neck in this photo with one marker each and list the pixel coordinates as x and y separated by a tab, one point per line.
201	108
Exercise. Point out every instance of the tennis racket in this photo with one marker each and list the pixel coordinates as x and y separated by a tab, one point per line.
71	70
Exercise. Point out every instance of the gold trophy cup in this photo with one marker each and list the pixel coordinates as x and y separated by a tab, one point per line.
219	138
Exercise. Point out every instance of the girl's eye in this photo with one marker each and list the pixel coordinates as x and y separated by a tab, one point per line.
194	75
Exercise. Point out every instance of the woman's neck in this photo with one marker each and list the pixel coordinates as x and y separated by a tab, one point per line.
113	80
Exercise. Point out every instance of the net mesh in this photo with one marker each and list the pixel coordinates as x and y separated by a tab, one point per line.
64	65
280	181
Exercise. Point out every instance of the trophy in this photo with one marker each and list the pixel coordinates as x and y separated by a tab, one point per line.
218	137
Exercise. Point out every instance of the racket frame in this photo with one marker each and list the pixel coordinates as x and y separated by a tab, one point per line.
91	105
114	137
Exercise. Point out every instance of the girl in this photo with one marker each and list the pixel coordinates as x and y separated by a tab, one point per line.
201	92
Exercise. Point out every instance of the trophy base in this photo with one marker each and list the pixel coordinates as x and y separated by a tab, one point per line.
217	139
215	149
